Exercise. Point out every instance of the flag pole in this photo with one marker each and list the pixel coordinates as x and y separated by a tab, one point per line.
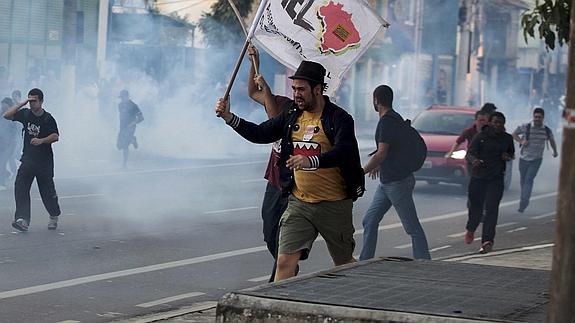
245	48
240	20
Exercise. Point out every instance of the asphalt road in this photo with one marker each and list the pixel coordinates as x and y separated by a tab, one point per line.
168	233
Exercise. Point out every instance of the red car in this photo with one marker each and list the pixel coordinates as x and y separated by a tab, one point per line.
440	126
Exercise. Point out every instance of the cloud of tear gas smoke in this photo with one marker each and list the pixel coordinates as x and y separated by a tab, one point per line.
176	92
178	108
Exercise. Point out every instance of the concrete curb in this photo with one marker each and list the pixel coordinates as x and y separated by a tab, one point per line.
235	307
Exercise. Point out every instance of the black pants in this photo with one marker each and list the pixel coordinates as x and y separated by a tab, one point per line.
273	206
484	193
44	175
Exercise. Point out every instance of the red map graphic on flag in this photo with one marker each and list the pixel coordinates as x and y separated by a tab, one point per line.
339	32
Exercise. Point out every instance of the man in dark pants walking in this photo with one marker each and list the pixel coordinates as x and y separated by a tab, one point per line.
488	153
40	131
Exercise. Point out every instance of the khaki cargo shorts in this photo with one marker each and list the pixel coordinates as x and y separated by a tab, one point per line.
302	221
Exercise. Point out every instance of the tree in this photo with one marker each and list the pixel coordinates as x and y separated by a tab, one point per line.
221	27
551	18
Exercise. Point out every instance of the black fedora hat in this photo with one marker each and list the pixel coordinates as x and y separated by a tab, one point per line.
310	71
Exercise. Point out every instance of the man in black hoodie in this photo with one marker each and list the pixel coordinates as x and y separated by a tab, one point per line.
488	153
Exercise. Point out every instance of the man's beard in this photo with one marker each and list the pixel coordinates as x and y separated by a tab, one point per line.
307	106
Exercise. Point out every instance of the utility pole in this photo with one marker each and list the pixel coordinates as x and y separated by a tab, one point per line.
562	307
418	25
69	39
69	32
463	44
103	15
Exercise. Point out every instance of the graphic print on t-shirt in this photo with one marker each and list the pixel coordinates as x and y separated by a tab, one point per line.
307	147
33	130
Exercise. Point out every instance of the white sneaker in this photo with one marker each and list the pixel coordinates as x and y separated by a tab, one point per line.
20	225
53	224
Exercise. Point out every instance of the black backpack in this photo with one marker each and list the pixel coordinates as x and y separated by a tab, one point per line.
411	151
413	148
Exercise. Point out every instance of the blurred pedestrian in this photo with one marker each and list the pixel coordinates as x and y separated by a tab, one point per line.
488	108
396	183
17	96
274	202
17	150
488	153
8	135
532	137
40	131
319	168
467	134
130	115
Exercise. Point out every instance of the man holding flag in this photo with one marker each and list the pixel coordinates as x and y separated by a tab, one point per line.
320	169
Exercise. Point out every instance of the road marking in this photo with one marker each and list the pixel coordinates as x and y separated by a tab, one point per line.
202	259
170	299
232	210
254	180
68	321
165	170
165	316
73	196
543	215
127	272
456	235
501	252
260	279
462	213
403	246
517	230
439	248
508	224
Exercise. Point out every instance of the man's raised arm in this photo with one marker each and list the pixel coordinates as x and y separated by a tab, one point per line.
9	114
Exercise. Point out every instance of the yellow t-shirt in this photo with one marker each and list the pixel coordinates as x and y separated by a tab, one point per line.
314	185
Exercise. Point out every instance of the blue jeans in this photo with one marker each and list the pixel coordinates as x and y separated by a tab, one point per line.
527	171
400	195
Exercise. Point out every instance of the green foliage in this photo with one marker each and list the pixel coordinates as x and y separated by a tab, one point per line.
550	18
221	27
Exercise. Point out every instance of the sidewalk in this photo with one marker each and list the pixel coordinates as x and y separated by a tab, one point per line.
503	286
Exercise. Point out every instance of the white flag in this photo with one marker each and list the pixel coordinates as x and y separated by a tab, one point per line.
334	33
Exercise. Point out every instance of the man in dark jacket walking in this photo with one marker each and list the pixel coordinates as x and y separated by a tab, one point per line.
488	153
320	169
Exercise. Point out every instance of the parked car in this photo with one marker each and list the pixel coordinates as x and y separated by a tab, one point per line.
440	126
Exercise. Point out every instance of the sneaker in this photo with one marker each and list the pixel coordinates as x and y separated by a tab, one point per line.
20	225
486	247
468	237
53	224
521	209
